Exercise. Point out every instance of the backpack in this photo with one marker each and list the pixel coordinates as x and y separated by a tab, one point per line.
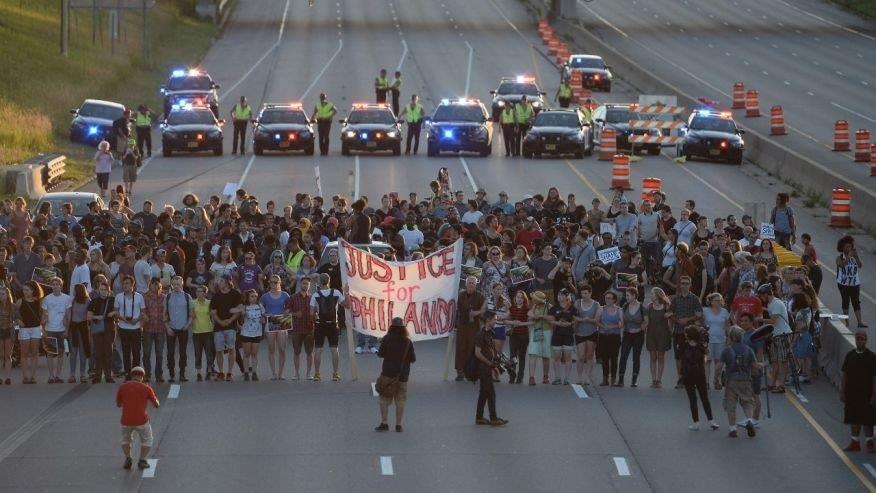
738	365
167	304
327	306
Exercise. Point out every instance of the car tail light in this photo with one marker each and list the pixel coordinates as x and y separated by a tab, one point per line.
723	144
200	136
293	136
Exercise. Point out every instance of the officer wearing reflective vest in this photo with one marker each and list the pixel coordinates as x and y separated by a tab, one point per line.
241	114
523	115
509	129
323	113
587	109
413	116
564	94
381	85
395	88
143	126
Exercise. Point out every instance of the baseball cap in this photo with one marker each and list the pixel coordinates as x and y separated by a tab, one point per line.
161	251
138	370
528	196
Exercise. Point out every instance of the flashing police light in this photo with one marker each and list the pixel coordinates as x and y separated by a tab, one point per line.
293	136
364	135
92	130
523	78
178	73
276	136
447	133
708	112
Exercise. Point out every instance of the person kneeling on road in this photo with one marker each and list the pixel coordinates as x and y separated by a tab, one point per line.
739	361
485	353
133	397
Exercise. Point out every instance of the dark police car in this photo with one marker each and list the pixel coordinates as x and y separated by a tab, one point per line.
617	117
93	121
370	127
558	131
459	125
595	73
282	127
712	134
512	89
190	87
191	129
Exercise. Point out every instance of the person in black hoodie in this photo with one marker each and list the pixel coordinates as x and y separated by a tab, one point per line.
397	352
693	373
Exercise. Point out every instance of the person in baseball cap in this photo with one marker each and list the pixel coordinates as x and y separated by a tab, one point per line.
133	397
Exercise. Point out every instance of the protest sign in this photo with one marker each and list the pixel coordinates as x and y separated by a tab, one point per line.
42	275
609	255
767	231
472	271
521	274
421	292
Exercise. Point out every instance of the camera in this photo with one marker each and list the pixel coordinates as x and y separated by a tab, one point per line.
505	364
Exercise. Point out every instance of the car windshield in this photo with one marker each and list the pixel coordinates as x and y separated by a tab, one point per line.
559	119
713	124
190	83
582	62
284	116
191	118
101	111
371	116
80	204
458	113
618	116
527	88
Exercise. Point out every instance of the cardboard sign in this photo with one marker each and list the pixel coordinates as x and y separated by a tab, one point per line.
521	274
767	231
609	256
471	271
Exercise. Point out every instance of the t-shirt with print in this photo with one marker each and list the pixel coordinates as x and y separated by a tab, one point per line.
56	306
249	277
561	314
198	279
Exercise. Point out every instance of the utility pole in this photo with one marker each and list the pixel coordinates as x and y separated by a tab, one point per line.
65	26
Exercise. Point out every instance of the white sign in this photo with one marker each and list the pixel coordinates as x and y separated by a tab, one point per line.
767	231
421	292
609	255
230	190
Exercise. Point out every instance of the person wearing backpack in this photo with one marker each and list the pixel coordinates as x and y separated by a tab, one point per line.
179	315
739	361
783	221
324	304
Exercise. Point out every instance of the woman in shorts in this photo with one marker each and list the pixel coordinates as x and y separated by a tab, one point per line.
29	315
586	332
716	319
103	166
274	302
539	337
562	318
251	331
7	313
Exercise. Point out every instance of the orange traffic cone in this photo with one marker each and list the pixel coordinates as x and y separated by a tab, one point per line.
841	135
862	146
607	144
752	104
777	121
738	96
649	186
841	208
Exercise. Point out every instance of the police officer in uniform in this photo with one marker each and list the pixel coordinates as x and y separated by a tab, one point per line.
241	114
564	94
395	88
413	115
523	114
381	85
587	109
323	113
509	130
143	125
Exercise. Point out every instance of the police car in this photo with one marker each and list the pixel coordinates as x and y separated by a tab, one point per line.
595	73
190	87
459	125
282	127
558	131
191	129
512	89
370	127
712	134
617	117
93	121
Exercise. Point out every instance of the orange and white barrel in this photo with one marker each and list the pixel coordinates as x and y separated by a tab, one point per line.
862	146
738	96
841	208
777	121
649	186
620	171
607	144
752	104
841	136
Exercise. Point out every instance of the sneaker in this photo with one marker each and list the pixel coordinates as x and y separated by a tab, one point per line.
398	428
694	427
228	377
714	426
853	446
311	377
373	350
732	434
171	379
128	463
382	427
482	421
142	464
358	349
749	427
246	376
498	422
336	377
316	377
531	380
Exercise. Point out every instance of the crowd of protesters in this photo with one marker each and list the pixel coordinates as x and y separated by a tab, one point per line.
131	284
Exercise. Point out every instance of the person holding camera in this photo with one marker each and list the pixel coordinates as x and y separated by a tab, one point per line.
739	363
128	308
693	373
487	361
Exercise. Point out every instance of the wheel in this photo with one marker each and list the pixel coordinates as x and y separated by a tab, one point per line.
431	150
588	151
258	151
527	154
653	151
396	151
166	152
217	151
309	150
345	150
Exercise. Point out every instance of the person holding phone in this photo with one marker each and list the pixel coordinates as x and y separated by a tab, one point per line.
848	281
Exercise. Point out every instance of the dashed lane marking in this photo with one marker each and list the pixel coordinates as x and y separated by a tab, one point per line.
150	472
468	72
386	466
471	180
870	469
622	468
587	182
853	112
173	393
579	390
356	175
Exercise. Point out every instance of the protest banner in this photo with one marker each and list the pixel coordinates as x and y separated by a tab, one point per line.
421	292
609	255
521	274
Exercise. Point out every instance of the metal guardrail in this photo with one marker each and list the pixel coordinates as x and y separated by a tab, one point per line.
54	166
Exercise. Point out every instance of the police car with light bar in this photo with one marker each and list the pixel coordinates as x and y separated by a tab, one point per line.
712	134
558	131
512	89
370	127
459	125
190	86
617	117
282	127
191	129
93	121
595	73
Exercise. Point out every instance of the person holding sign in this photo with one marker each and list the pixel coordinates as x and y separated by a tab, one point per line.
324	304
783	221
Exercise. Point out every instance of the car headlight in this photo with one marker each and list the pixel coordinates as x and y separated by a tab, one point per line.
392	134
500	104
350	134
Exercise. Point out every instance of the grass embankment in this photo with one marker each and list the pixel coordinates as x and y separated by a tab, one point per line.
866	8
39	86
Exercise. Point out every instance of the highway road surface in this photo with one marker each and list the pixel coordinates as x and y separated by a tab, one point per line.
303	436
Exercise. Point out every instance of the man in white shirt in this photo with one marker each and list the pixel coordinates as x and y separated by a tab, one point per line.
685	227
472	215
781	341
56	320
161	270
127	309
413	237
143	270
81	273
648	226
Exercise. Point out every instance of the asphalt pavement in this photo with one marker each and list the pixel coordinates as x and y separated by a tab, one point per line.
271	436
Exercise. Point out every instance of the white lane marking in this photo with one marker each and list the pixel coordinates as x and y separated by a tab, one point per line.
468	72
324	68
150	472
839	73
148	160
864	82
870	469
243	176
386	466
853	112
582	394
404	54
810	93
248	72
786	83
356	175
474	186
822	19
318	181
764	72
604	21
374	389
622	468
173	393
283	22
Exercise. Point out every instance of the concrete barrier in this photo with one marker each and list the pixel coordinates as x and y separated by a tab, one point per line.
836	341
775	157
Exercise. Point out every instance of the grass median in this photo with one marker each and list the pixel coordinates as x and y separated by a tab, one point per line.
39	86
866	8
